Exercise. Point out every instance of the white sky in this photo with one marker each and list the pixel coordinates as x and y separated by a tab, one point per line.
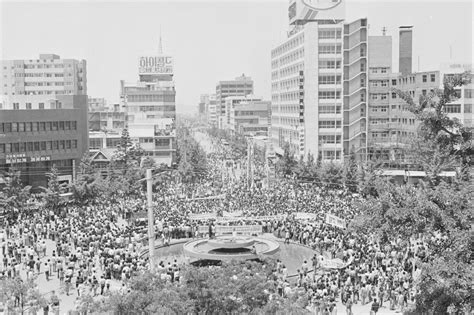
209	40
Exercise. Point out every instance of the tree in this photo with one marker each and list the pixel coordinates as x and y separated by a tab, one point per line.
286	165
350	173
88	184
14	194
51	194
438	208
128	153
442	143
22	295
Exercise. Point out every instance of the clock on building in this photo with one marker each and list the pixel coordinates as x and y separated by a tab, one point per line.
320	5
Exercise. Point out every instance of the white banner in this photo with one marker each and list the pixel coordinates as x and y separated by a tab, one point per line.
335	221
228	229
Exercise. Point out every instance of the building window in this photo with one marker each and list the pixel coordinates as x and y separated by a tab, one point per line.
16	106
42	126
468	93
67	125
55	145
61	125
452	108
394	81
48	126
61	144
28	105
14	127
21	127
28	127
424	78
54	126
73	125
433	77
68	144
468	108
43	145
41	105
36	146
22	146
394	95
49	145
74	144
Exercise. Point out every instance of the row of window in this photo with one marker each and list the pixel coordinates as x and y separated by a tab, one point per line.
65	92
329	124
329	64
329	109
329	95
294	42
329	33
329	49
297	54
329	79
41	75
37	126
37	146
151	98
48	83
330	154
329	139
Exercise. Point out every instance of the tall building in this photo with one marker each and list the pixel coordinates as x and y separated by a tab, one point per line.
43	117
150	107
318	79
241	86
48	75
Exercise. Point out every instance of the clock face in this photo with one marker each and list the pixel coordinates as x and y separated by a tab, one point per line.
321	4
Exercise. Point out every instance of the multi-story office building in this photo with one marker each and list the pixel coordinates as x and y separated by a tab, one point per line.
462	107
319	78
241	86
150	107
105	118
251	118
48	75
391	125
43	117
230	103
39	131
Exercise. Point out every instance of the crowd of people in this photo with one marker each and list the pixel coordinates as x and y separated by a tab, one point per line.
98	247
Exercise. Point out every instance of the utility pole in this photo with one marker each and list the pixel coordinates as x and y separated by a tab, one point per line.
151	219
248	163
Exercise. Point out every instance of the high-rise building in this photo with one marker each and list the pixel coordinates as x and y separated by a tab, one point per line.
48	75
241	86
43	117
319	78
151	109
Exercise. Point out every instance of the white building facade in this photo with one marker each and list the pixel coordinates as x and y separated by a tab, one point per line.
151	109
319	83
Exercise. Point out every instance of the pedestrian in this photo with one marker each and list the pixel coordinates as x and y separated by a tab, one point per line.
374	308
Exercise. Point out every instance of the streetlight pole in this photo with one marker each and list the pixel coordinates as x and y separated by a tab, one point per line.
151	219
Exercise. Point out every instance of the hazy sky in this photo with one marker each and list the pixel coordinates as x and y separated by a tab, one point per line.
210	41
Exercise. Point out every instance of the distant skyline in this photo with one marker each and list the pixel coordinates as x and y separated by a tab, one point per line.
210	41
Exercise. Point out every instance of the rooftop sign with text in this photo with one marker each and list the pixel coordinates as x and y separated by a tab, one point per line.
155	65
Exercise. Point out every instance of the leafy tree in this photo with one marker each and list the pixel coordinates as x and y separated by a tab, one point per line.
350	173
127	153
147	163
331	175
22	295
14	194
442	143
51	194
436	208
87	185
286	165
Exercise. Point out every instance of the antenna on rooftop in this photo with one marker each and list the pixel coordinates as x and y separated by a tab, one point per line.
384	30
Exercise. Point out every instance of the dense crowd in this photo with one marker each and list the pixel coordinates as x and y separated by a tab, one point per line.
100	246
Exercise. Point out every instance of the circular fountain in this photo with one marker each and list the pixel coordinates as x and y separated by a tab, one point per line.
226	248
